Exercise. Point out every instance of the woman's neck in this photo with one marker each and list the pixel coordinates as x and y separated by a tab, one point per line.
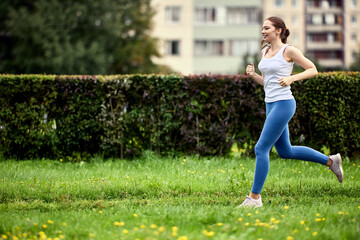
276	44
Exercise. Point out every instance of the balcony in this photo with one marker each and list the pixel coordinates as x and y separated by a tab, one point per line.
331	63
324	46
319	10
323	28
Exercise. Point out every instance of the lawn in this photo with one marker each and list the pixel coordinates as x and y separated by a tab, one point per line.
176	198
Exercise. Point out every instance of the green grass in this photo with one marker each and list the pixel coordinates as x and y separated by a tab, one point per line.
197	196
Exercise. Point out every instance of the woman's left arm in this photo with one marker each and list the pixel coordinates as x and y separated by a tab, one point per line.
295	55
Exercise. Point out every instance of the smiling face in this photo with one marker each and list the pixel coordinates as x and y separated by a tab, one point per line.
269	32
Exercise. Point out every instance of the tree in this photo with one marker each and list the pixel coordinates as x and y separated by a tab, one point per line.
77	37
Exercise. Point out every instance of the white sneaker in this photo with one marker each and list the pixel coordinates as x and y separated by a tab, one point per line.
336	167
251	203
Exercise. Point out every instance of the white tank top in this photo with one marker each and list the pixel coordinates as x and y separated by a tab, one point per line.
272	69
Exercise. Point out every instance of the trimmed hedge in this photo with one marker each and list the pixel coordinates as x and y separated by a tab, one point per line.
74	117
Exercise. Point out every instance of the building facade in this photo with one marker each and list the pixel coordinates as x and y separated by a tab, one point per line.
212	36
207	36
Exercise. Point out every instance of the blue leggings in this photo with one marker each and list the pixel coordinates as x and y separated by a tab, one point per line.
276	132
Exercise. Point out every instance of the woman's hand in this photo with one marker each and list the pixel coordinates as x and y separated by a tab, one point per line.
286	81
250	70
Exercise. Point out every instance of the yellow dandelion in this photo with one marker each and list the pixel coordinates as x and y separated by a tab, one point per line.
249	214
260	239
247	224
156	233
100	211
153	226
240	219
183	238
272	219
307	229
174	229
256	212
358	207
318	219
161	229
257	220
219	224
174	234
64	224
44	226
91	235
289	238
286	207
61	236
340	213
314	234
277	221
142	226
210	234
35	224
24	234
283	216
295	231
136	229
121	224
318	214
323	219
135	215
60	232
3	236
15	238
116	223
125	231
302	222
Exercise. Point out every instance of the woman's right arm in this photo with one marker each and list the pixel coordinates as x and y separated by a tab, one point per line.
250	71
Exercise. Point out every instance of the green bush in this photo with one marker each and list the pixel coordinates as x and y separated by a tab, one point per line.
75	117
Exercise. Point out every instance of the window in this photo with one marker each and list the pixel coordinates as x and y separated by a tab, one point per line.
295	20
295	38
172	47
294	3
354	38
209	48
173	14
317	19
205	15
354	20
242	47
354	56
354	3
329	19
237	15
279	3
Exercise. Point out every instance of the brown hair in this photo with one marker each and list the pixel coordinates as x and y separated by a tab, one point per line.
279	23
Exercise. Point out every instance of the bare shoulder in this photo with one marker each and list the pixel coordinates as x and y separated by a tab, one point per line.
291	53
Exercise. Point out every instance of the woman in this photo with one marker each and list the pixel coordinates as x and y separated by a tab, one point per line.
276	66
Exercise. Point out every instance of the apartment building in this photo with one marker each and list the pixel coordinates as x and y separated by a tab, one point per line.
325	30
207	36
212	36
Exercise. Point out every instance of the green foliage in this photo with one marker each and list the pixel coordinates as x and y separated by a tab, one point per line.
76	117
77	37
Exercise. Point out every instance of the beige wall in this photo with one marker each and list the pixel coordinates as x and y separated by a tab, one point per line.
182	31
350	45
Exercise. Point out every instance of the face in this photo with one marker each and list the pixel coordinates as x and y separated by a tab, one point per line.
269	32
